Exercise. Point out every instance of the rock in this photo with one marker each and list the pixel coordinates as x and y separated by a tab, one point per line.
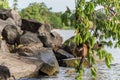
61	54
67	48
31	49
57	40
70	72
3	23
30	25
10	34
29	37
4	14
69	45
53	40
50	65
3	46
16	17
44	29
7	13
71	62
4	72
21	66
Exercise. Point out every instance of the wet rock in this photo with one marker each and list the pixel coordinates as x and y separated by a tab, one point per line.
8	13
50	65
10	34
70	72
21	66
30	25
61	54
71	62
29	37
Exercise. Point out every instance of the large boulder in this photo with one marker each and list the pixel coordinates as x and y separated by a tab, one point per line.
3	23
50	64
8	13
29	37
21	66
30	25
52	39
10	34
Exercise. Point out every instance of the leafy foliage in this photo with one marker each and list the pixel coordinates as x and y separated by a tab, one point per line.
4	4
97	26
41	13
68	18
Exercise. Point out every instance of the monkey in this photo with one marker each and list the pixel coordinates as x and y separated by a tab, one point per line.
81	51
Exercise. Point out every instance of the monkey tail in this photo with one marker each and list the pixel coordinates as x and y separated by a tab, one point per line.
80	63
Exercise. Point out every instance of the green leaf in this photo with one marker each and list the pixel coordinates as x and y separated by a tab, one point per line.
93	71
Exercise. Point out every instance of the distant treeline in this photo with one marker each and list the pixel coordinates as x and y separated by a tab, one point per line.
39	12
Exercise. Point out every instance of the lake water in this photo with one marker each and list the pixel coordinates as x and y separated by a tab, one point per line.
103	73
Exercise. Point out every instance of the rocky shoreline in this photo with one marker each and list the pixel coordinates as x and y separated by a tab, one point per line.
29	48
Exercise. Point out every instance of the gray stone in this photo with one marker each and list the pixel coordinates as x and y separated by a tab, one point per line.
21	66
44	29
10	34
50	65
3	23
53	39
8	13
29	37
61	54
3	46
31	49
30	25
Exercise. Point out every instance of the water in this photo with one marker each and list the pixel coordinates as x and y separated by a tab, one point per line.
103	73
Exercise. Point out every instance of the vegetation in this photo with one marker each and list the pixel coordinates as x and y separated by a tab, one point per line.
99	27
15	4
41	13
4	4
93	26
